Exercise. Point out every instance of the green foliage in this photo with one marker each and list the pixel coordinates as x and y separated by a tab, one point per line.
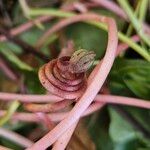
31	36
139	83
13	47
98	125
12	108
10	144
21	128
108	129
120	130
124	136
13	58
141	115
88	37
131	76
33	83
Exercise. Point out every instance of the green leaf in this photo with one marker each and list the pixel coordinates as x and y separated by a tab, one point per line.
14	48
12	108
139	83
116	134
18	17
33	84
88	37
32	36
14	59
133	76
10	144
98	128
120	130
129	145
141	115
123	134
143	149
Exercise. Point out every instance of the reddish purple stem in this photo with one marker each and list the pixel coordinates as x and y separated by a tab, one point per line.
26	26
93	86
9	73
112	6
15	137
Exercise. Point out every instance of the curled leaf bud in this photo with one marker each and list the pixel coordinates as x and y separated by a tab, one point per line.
66	76
81	61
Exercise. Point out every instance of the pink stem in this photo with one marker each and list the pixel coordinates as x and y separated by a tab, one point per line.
80	7
51	98
120	48
50	107
62	142
110	5
92	89
45	120
54	117
15	137
10	74
143	106
29	98
26	26
123	46
68	50
63	23
105	3
68	21
30	24
100	101
31	117
123	101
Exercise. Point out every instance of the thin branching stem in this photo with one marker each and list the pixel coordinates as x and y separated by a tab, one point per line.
15	137
135	22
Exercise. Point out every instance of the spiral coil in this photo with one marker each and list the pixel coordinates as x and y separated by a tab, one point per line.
57	79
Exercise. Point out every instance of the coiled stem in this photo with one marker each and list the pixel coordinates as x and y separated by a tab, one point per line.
65	76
